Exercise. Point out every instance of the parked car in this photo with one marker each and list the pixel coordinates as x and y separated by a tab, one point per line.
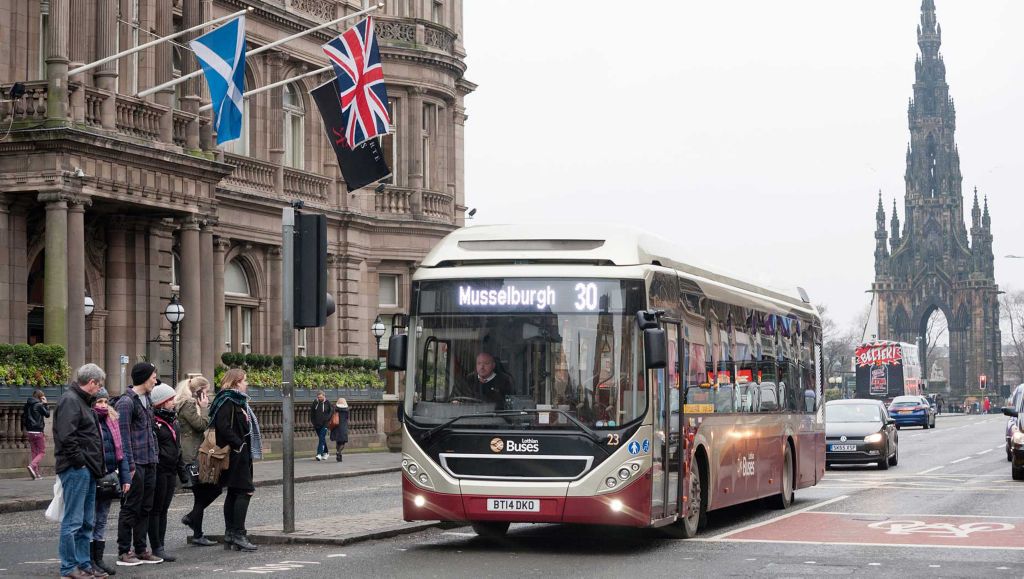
1011	424
1016	449
912	411
859	431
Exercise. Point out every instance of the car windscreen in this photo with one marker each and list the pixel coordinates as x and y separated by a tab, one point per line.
906	401
852	413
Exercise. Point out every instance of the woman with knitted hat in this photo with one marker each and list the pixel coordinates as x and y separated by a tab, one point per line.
114	459
236	426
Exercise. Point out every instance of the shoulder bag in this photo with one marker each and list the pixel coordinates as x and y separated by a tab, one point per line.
212	459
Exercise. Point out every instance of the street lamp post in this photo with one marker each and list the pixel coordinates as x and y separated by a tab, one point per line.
175	313
378	330
835	381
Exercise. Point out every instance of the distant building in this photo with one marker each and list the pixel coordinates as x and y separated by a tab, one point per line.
930	263
128	200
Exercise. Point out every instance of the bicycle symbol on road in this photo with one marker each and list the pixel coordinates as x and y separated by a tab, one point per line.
948	530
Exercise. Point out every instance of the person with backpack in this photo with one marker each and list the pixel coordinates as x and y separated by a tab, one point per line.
114	462
33	422
191	403
136	422
236	426
339	433
169	466
320	415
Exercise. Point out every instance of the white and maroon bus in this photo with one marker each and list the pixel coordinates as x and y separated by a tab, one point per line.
586	374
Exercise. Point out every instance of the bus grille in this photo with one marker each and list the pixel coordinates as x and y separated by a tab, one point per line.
522	467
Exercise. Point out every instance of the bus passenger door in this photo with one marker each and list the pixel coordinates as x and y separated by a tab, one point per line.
665	453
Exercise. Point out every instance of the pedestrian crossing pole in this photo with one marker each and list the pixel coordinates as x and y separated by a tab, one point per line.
287	366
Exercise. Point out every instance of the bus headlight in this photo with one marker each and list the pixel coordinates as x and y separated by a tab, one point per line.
419	501
615	505
424	479
610	482
876	437
623	473
413	469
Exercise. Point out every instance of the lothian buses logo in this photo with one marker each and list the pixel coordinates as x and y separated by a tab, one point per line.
497	445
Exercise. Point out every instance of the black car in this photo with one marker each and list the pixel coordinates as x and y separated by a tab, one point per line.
860	432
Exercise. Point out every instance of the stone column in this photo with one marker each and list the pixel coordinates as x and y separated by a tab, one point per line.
162	69
191	15
330	347
7	286
105	76
206	277
274	311
55	288
76	283
78	53
191	357
220	250
414	138
275	113
57	61
458	148
159	255
116	303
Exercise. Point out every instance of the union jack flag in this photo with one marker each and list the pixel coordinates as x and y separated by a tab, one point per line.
360	79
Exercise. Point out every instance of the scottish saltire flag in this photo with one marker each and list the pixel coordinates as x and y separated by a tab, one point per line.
221	52
360	78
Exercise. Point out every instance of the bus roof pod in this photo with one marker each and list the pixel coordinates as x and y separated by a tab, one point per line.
586	243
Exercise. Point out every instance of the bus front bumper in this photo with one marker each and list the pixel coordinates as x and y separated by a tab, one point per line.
629	507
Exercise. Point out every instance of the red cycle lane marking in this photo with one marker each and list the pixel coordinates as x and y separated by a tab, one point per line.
898	530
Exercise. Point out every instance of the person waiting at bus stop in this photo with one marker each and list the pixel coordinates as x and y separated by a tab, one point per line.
485	383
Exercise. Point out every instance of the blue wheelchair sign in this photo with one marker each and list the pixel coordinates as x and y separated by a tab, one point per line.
646	446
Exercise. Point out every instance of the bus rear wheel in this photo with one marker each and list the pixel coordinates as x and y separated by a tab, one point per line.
785	498
490	529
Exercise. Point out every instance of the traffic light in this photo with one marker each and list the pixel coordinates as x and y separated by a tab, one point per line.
984	380
310	270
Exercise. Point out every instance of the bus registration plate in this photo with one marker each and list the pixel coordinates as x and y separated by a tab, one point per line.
514	505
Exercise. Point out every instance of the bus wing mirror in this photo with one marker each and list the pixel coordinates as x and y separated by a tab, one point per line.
655	348
1009	411
398	346
401	411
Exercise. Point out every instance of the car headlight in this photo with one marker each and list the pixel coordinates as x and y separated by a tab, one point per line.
876	437
1018	438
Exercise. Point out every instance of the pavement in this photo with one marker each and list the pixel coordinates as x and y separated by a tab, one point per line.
18	495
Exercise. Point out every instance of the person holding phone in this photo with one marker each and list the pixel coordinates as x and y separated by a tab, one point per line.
192	401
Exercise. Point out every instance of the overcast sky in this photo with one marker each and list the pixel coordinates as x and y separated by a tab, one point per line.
755	133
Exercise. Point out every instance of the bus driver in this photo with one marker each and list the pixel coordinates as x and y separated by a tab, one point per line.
485	384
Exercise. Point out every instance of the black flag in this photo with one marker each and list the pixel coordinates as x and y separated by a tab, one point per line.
361	166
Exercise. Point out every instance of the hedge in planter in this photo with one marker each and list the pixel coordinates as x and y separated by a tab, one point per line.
37	366
310	372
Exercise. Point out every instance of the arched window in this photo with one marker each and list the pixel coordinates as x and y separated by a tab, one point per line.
239	308
294	136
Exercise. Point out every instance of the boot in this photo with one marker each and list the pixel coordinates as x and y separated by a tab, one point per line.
241	542
97	558
339	457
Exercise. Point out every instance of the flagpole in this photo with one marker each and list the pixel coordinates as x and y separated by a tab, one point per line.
263	48
102	61
248	94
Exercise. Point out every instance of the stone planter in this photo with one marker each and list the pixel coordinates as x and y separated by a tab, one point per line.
10	393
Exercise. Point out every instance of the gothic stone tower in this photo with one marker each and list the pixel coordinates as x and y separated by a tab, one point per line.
931	264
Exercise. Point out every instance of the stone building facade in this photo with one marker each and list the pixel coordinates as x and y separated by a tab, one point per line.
930	263
129	201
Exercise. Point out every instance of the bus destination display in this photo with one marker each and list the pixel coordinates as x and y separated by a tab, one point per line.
525	296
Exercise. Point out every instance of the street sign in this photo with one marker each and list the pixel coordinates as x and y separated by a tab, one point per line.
124	359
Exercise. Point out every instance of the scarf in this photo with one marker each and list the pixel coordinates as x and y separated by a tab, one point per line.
115	431
241	399
166	417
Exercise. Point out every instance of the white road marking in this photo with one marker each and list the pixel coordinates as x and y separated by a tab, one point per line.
933	469
1000	446
809	562
916	515
961	460
984	452
337	555
935	566
874	564
458	534
850	544
786	516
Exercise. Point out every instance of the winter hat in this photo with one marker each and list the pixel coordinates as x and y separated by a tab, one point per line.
102	393
141	372
161	393
342	403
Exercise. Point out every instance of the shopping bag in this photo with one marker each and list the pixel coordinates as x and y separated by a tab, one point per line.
55	512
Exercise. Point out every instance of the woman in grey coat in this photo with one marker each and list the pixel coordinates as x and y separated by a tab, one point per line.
191	402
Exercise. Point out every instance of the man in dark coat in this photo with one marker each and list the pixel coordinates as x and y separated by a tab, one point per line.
78	450
320	414
486	384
